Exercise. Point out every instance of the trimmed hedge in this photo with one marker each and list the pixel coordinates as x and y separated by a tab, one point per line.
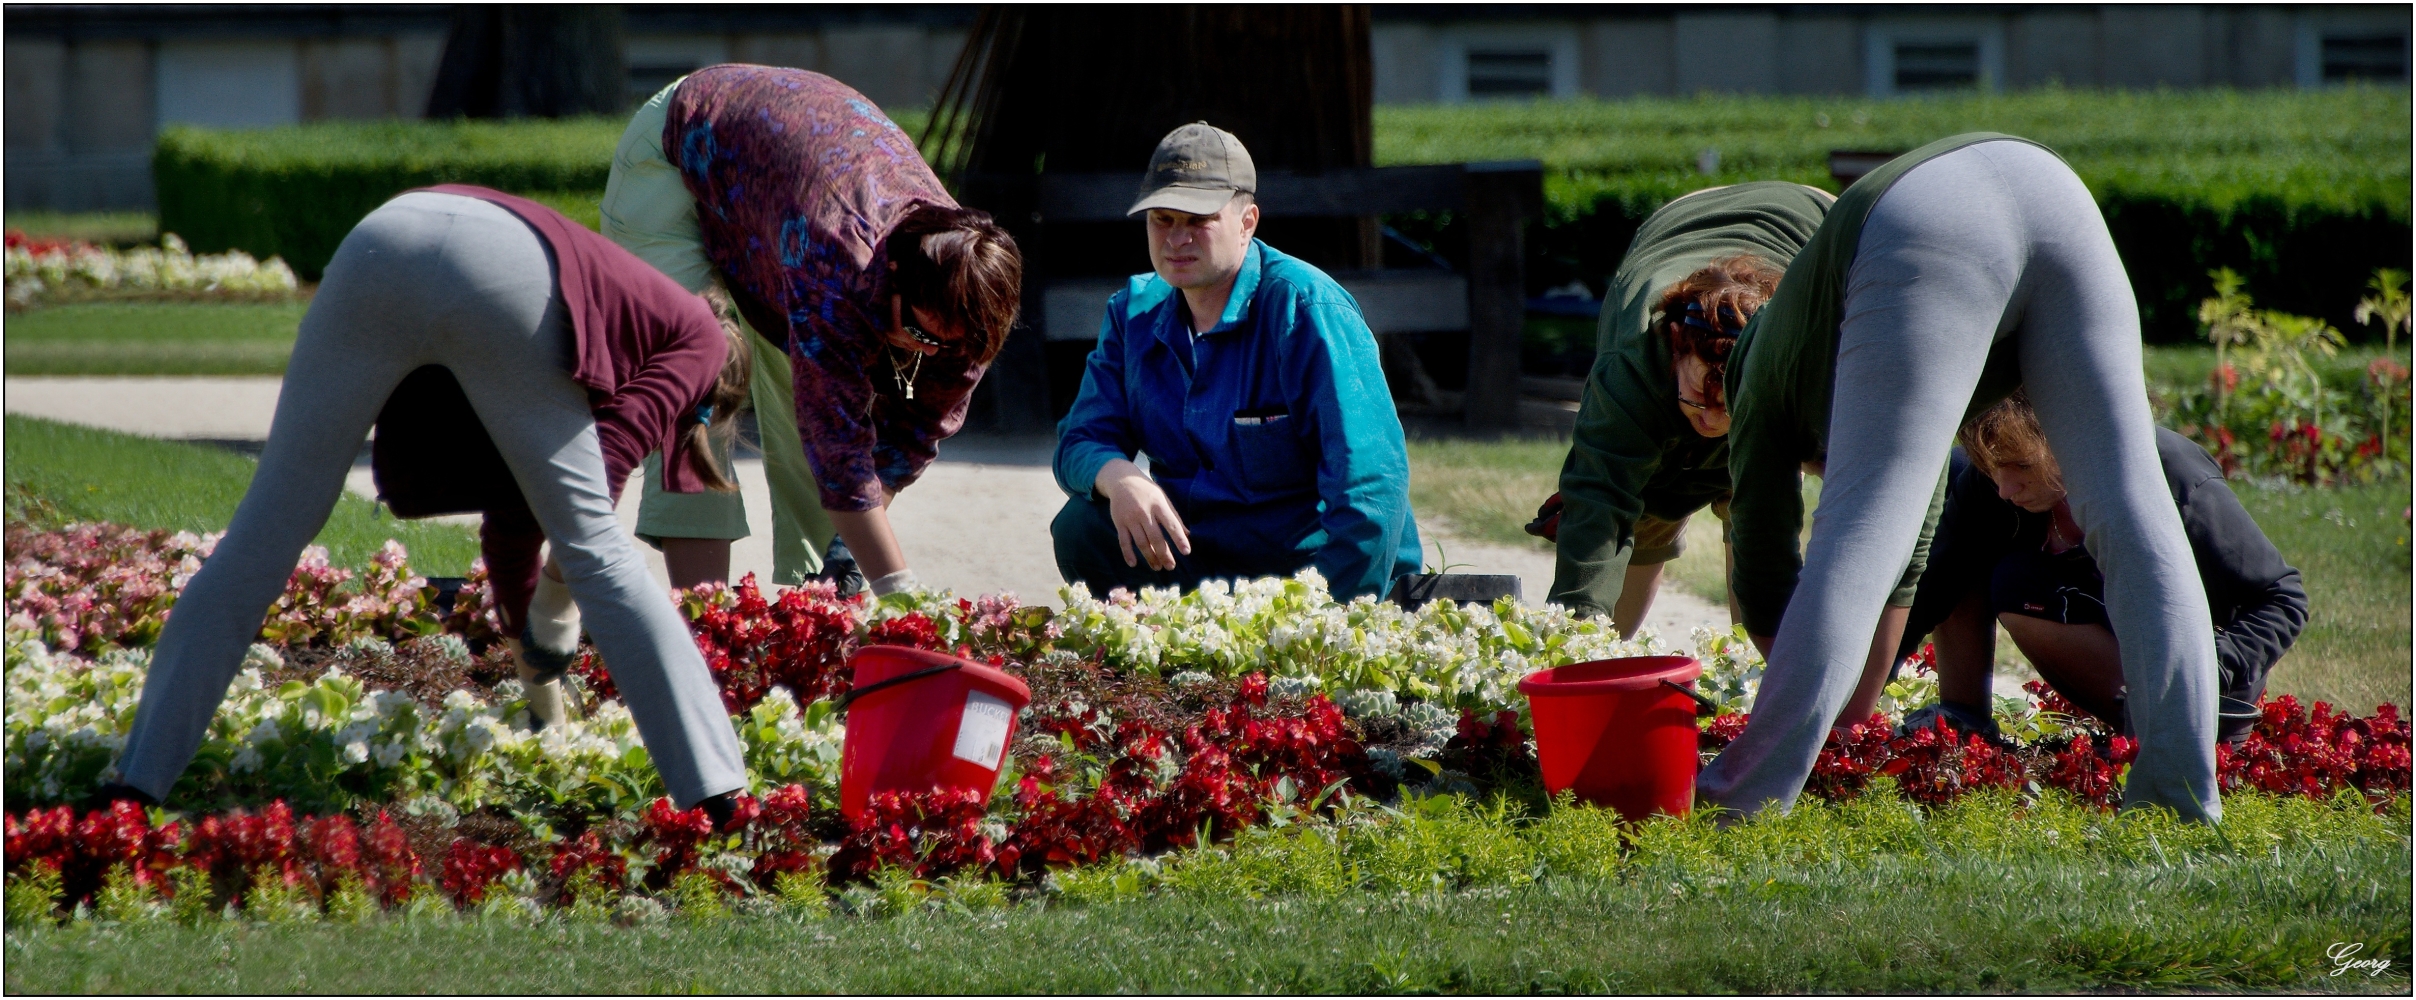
294	192
2305	193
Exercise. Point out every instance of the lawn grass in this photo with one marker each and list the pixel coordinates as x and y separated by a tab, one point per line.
2351	546
111	228
1484	491
62	472
2186	366
2245	922
153	338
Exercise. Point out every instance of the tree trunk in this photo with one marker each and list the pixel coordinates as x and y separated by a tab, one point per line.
511	61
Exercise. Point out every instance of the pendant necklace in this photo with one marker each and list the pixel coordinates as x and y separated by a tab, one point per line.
2055	534
902	375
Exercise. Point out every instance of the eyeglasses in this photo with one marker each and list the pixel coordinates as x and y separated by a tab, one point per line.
1683	401
921	337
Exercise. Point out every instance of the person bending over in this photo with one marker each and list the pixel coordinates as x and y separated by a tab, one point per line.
515	363
1252	383
1650	445
1938	284
2010	551
880	299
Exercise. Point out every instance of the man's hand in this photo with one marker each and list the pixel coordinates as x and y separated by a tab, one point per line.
1145	519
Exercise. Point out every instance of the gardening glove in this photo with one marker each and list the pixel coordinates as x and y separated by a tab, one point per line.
894	582
548	644
839	567
1547	520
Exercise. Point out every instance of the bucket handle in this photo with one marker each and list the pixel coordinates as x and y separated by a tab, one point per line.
840	707
1704	707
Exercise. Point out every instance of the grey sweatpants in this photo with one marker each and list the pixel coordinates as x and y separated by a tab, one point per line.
1994	240
436	279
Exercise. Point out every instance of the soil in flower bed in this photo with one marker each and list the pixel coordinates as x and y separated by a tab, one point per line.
426	671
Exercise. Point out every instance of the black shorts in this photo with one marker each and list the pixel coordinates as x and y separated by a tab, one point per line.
2066	587
2059	587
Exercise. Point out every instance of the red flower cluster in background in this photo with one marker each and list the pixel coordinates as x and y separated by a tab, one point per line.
930	834
236	848
42	247
1158	790
799	640
84	848
1848	759
1936	765
2090	767
585	860
2295	751
784	842
471	868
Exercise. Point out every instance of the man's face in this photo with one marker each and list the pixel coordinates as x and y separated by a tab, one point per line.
1200	251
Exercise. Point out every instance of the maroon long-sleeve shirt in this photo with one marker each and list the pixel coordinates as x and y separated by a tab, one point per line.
648	353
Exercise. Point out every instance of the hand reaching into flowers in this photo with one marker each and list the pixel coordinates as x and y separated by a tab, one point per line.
1144	517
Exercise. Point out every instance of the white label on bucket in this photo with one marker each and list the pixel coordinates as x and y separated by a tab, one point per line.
981	736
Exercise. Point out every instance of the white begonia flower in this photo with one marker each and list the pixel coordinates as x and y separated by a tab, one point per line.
265	732
357	752
246	761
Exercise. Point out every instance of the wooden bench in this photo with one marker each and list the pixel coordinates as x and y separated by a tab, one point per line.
1495	200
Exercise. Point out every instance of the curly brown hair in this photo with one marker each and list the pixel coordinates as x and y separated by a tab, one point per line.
960	263
1705	311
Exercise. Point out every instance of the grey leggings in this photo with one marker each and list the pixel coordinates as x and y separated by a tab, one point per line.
445	280
1991	241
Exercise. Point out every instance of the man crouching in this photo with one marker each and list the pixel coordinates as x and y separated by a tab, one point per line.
1252	382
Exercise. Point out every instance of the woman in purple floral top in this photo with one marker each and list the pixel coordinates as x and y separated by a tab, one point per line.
839	245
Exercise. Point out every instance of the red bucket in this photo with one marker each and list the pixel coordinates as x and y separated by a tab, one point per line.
919	720
1620	732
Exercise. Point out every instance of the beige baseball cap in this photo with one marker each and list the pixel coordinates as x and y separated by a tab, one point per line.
1197	169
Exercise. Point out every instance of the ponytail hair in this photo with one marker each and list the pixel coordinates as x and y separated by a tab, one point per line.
1705	312
705	437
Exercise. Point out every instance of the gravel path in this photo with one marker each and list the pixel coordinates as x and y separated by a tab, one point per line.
976	523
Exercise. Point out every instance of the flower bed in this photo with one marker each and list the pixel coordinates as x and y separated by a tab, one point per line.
40	270
1164	731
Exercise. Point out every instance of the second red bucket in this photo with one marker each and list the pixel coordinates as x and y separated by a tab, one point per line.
1620	733
919	720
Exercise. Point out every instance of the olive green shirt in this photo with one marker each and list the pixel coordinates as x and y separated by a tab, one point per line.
1781	377
1633	451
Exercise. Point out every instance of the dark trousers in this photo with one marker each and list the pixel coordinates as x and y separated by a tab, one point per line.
1087	553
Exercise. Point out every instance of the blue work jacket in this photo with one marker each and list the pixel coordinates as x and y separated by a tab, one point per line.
1277	436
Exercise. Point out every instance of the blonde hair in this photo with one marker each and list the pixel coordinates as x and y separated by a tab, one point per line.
728	394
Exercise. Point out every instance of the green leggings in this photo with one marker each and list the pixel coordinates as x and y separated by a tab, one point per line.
799	525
